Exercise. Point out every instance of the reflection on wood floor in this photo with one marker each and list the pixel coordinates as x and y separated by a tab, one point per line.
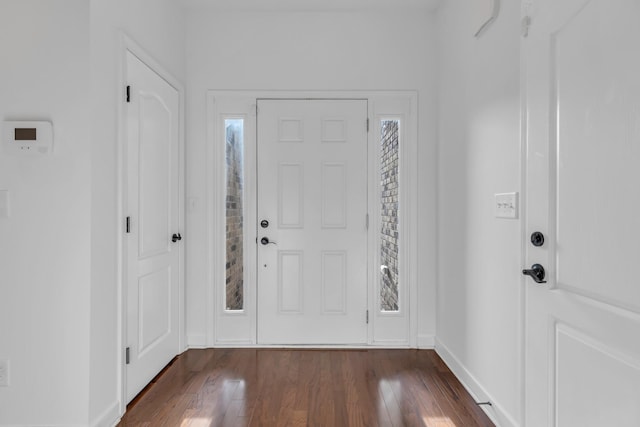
284	387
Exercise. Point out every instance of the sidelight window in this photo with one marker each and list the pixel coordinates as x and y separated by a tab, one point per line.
389	140
234	202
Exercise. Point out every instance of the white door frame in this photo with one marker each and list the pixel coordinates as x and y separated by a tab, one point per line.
234	329
129	45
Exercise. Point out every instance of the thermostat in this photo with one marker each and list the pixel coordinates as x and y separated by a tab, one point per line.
28	137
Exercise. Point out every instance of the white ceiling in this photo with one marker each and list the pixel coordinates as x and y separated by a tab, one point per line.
302	5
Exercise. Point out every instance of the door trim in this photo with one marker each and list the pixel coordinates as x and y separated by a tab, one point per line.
525	11
382	104
127	44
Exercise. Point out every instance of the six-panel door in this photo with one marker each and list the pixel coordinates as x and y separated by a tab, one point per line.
312	188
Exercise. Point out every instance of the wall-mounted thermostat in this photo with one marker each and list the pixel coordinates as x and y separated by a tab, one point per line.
27	137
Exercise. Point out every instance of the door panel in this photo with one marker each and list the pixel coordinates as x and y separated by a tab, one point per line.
583	147
153	300
155	174
290	195
334	197
334	282
152	259
598	133
618	386
312	177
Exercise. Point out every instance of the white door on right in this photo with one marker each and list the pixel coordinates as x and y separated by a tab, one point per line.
582	356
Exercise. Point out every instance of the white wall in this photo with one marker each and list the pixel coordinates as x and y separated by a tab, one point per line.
158	27
45	245
331	50
479	155
58	261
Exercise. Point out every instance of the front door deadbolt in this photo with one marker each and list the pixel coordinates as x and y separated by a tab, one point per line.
537	239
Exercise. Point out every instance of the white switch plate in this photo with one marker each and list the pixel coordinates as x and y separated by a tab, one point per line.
4	204
507	205
4	373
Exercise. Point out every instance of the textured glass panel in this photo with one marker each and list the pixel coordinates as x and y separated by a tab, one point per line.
389	220
234	214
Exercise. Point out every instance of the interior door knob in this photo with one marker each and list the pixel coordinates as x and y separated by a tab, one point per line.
176	237
536	272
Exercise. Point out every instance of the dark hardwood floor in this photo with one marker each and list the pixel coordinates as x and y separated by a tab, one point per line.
273	387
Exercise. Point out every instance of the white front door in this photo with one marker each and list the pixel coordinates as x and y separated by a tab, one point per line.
152	205
583	195
312	191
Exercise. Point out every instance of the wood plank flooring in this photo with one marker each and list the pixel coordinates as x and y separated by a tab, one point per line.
284	387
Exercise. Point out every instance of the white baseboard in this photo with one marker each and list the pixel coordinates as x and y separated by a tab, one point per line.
426	342
197	341
109	417
374	346
496	412
42	425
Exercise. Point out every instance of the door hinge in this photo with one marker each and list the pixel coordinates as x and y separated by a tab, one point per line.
525	25
128	225
367	317
127	360
367	221
128	93
367	124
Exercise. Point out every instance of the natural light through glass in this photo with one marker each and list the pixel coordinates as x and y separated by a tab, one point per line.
389	139
196	422
439	422
234	290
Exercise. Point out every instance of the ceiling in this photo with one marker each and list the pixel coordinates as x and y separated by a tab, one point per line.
303	5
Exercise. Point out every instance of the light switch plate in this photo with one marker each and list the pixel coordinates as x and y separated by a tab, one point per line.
507	205
4	203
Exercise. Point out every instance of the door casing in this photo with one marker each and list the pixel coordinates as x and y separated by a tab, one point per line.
238	328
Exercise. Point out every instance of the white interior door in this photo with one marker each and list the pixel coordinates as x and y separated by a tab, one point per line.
152	257
583	194
312	190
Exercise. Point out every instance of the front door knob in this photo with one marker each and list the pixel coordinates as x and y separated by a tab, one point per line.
265	241
536	272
